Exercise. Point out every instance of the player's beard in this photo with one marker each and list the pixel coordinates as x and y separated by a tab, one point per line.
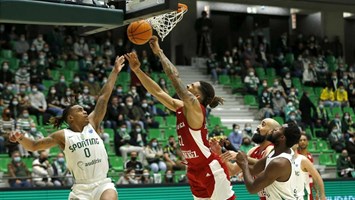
272	139
257	138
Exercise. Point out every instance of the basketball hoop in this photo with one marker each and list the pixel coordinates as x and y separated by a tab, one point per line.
164	23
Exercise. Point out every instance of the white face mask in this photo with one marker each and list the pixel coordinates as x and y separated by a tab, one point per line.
264	84
86	91
53	91
76	80
138	130
68	93
91	79
5	67
129	103
123	129
144	105
34	90
15	103
251	73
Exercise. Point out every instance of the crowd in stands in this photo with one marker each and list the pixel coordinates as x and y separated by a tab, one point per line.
42	74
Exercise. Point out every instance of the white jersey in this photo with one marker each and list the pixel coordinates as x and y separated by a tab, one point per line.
281	190
301	185
86	155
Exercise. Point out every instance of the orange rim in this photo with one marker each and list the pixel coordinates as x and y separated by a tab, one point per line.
182	7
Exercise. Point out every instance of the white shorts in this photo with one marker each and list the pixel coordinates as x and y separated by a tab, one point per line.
91	191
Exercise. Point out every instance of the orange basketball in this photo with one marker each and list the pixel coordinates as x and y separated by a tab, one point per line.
139	32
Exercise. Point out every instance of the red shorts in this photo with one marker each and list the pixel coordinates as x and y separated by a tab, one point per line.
211	181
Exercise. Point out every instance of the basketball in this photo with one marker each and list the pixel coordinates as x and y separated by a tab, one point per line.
139	32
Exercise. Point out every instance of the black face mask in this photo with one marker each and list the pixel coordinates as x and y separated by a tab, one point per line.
133	158
246	143
171	143
42	160
257	138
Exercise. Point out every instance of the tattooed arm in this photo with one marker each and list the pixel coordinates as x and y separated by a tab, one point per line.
192	109
97	115
56	138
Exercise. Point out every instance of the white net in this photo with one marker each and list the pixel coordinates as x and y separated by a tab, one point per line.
164	23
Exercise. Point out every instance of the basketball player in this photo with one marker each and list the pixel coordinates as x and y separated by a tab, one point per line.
208	176
302	149
304	168
83	148
275	183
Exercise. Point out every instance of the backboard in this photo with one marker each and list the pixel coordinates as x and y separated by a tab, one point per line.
92	15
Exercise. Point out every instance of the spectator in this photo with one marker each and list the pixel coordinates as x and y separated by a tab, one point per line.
7	124
134	94
351	93
42	171
203	28
21	45
126	143
154	154
277	87
128	178
327	96
53	102
15	108
80	48
341	96
172	155
19	174
265	105
38	43
146	178
309	77
22	75
61	87
92	85
217	131
6	75
286	82
68	99
336	121
24	121
38	103
263	86
145	66
288	109
336	139
247	130
251	81
7	95
133	113
86	100
321	117
334	81
306	107
162	83
213	67
246	145
348	126
350	147
279	103
169	176
133	163
59	171
150	111
293	96
235	137
114	114
344	165
76	86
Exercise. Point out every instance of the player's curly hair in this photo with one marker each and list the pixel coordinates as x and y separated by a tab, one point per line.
292	133
208	95
59	120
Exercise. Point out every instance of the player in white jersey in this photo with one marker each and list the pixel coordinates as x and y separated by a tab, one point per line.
275	173
84	150
304	167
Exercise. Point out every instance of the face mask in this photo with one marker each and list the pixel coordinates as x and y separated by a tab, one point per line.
251	73
119	90
17	159
248	128
133	91
123	129
86	91
257	138
265	94
120	43
236	130
133	158
132	175
9	88
100	62
41	56
278	96
5	67
154	144
91	79
33	129
82	41
321	106
60	160
138	130
264	84
104	81
290	104
341	90
346	117
169	176
148	95
62	80
14	103
288	76
246	143
76	80
239	132
26	115
292	93
53	91
162	82
68	93
276	84
92	52
292	117
335	131
334	78
130	104
34	90
144	105
146	174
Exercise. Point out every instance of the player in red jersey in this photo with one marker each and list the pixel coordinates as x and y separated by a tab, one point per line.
264	146
208	176
303	150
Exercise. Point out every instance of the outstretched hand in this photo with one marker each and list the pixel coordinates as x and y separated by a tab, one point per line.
133	60
14	136
119	63
242	159
215	146
229	155
154	44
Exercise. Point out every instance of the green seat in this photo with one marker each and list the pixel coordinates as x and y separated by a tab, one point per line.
160	120
178	175
224	79
280	120
289	58
72	65
154	133
54	151
318	91
28	162
170	132
61	63
322	146
110	132
123	78
349	110
327	159
271	72
160	106
117	163
312	147
109	150
250	100
336	110
6	53
171	121
214	120
260	72
296	82
3	164
237	83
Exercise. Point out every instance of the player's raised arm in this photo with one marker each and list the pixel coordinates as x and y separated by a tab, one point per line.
151	86
308	166
56	138
97	115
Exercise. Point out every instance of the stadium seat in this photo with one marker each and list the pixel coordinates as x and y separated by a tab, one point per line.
171	121
312	147
73	65
224	80
110	132
322	146
116	163
289	58
270	72
6	53
349	110
250	100
214	121
154	133
260	72
327	159
3	164
161	121
280	120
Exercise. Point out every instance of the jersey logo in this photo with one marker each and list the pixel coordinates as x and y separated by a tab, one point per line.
80	164
91	131
208	174
179	112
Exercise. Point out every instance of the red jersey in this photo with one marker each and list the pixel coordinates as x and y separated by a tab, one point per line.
259	153
193	142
